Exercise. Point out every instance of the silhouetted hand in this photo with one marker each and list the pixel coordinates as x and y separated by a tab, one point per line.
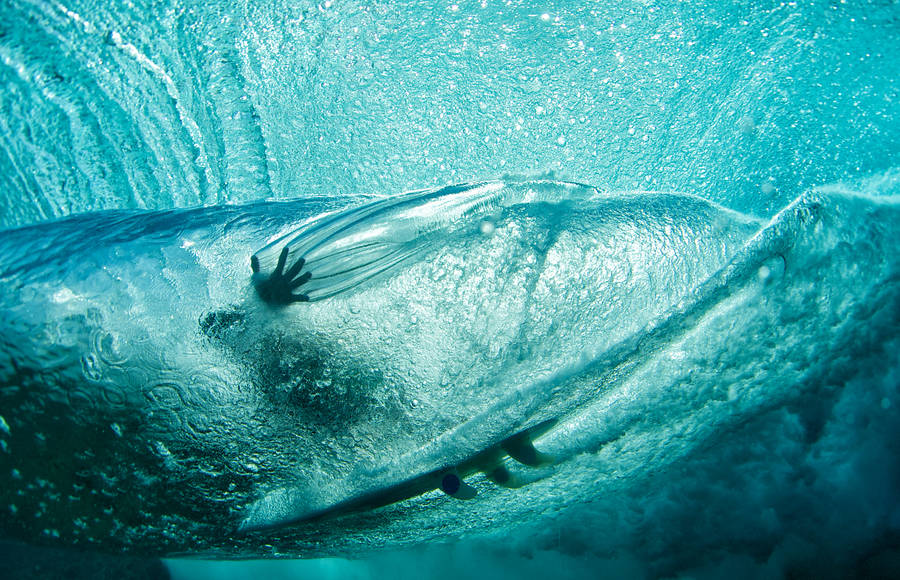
278	288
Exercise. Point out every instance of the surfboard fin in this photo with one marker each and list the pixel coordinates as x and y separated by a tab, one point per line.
521	448
307	502
503	477
454	486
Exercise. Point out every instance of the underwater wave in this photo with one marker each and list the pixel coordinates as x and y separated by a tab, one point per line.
329	375
156	400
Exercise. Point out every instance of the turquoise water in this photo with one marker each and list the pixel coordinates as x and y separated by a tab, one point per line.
173	104
754	435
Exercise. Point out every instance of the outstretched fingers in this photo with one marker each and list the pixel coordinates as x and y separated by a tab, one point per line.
282	258
301	280
295	269
278	287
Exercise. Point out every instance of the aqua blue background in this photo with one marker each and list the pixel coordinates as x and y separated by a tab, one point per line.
749	104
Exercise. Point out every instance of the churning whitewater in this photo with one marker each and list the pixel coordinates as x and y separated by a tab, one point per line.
301	377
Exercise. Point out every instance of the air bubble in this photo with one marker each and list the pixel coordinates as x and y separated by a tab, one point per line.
771	270
91	368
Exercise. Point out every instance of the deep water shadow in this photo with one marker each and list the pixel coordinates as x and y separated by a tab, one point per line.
23	562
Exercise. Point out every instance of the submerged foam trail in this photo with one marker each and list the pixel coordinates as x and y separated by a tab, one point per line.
343	250
559	393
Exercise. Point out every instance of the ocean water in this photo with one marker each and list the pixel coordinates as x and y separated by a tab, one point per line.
689	264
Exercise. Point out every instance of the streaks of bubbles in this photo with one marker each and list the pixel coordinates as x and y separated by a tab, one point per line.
104	108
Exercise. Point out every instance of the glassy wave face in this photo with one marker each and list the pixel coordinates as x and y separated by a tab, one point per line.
688	365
